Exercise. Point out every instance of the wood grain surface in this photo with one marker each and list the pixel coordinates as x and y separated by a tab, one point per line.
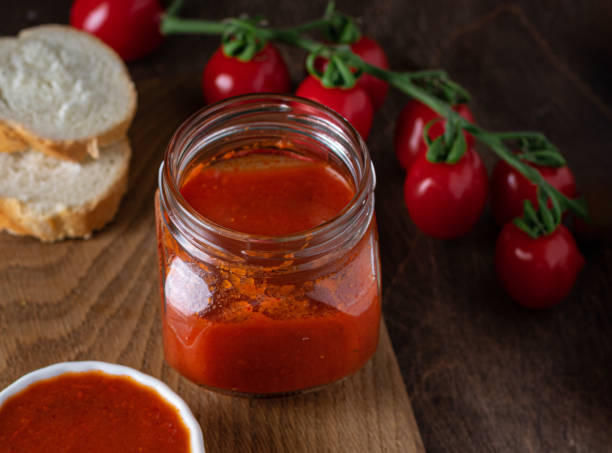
98	300
483	375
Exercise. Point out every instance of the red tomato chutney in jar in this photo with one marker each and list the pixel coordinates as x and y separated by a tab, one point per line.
93	412
268	248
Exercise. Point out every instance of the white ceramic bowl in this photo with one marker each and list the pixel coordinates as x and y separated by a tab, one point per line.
195	433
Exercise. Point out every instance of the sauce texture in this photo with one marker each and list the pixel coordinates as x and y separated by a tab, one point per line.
267	194
250	330
90	412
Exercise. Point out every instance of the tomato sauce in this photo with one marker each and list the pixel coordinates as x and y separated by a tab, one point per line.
90	412
267	194
231	329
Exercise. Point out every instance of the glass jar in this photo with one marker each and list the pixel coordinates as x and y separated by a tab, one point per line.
259	315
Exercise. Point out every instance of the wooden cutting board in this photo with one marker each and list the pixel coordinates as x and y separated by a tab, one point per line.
99	300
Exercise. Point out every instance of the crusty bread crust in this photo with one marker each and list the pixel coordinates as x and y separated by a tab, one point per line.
16	137
10	141
78	222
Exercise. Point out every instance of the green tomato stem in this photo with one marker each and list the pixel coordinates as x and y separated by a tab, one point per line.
319	24
172	24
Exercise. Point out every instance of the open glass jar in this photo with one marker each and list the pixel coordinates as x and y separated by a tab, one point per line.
263	315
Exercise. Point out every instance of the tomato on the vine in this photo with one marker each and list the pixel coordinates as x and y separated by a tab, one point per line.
353	104
226	76
445	200
408	140
509	188
130	27
370	52
537	273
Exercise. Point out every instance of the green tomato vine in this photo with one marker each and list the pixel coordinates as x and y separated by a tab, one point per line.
243	37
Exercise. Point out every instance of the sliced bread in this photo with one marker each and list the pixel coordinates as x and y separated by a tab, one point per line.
63	92
53	199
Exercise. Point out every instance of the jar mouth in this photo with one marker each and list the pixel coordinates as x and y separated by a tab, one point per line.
299	111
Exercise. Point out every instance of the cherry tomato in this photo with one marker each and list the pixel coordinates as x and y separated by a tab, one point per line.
445	200
370	52
509	188
224	76
131	27
537	273
409	142
353	103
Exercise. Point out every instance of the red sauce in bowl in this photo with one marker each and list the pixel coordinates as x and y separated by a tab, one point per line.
91	412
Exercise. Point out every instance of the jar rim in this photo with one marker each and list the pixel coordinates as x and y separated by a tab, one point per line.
364	188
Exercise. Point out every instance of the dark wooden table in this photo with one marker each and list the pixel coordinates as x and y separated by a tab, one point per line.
482	373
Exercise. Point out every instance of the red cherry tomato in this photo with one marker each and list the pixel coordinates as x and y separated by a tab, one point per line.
224	76
537	273
370	52
409	142
131	27
353	103
509	188
445	200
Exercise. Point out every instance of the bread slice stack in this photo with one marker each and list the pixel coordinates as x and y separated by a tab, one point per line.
66	103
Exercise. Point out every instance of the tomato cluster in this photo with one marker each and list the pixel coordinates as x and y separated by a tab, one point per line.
445	201
444	198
